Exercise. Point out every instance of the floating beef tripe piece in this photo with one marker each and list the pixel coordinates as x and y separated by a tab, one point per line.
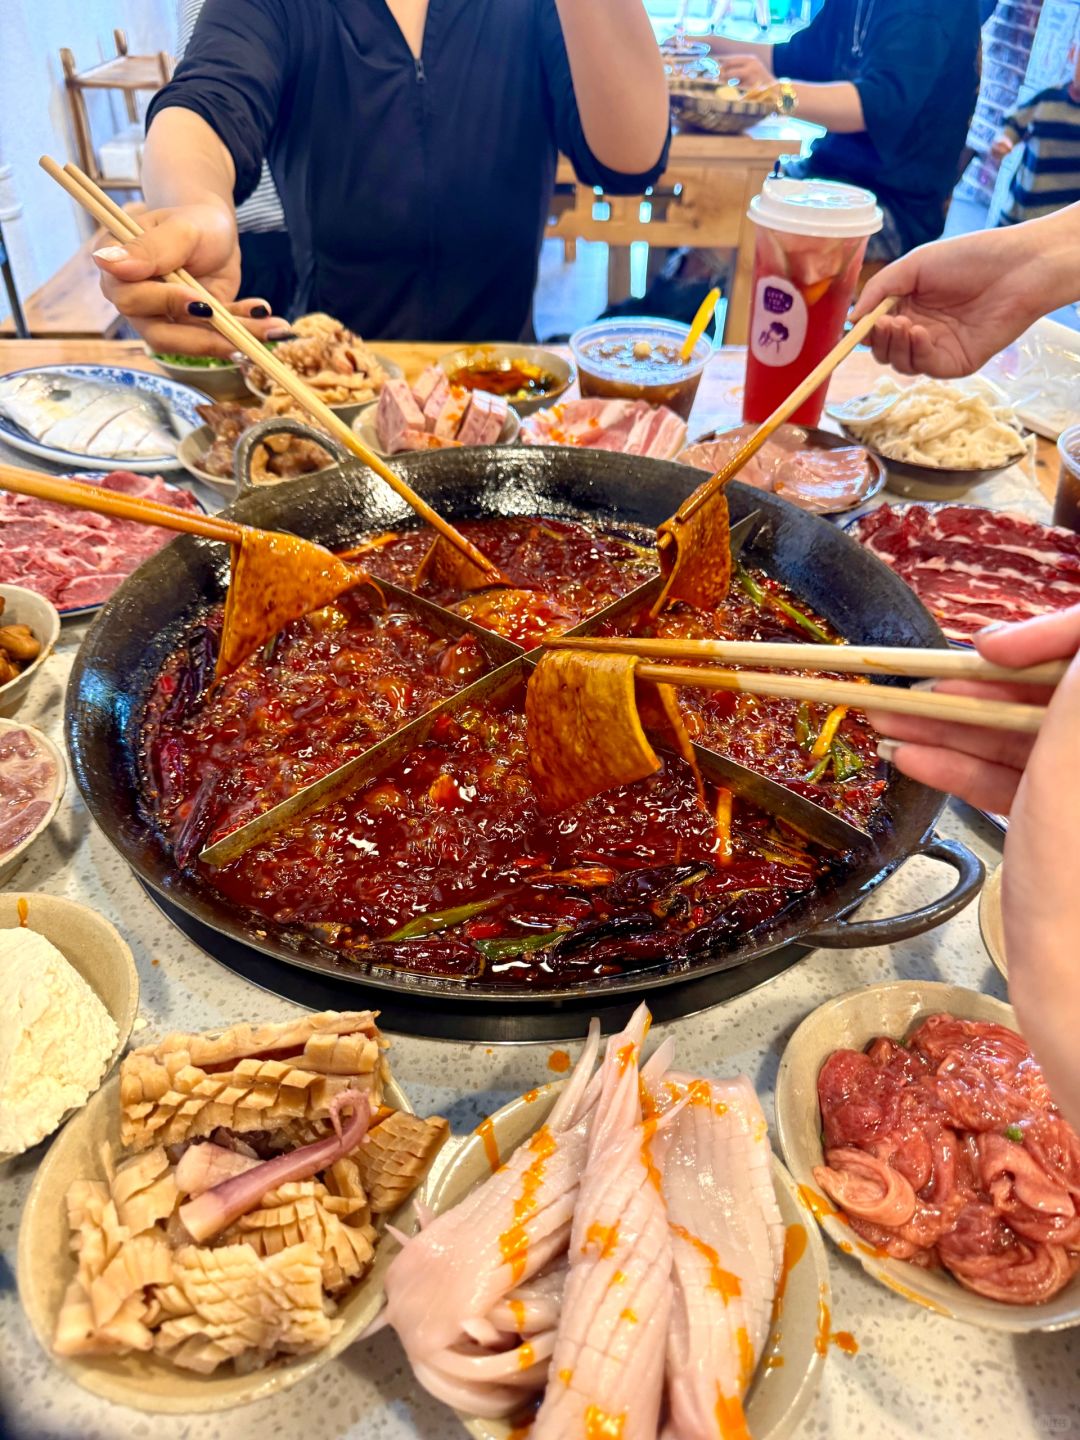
696	560
276	578
585	734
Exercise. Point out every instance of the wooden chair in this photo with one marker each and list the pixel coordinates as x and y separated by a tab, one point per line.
127	73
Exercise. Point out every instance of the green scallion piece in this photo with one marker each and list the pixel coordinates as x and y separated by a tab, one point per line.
1015	1134
516	945
436	920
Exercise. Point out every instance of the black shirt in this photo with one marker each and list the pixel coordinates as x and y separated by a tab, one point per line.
915	64
415	191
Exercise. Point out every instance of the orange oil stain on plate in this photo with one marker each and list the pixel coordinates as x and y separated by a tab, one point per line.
22	909
901	1289
794	1250
826	1335
820	1207
559	1062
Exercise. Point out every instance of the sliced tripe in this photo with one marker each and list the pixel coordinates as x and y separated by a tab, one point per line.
276	578
695	561
584	732
444	564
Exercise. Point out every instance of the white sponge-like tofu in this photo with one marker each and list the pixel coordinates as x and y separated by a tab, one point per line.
56	1038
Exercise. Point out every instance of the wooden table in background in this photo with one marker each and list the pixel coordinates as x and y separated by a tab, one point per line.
700	201
718	403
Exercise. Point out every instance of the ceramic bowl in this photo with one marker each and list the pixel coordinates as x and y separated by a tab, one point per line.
92	946
364	426
24	607
142	1381
346	413
222	381
991	924
192	453
549	361
779	1393
12	859
851	1021
928	482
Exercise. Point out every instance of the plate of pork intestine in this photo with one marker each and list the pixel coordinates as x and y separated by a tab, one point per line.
599	1195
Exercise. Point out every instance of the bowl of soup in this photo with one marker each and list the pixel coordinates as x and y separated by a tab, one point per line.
640	359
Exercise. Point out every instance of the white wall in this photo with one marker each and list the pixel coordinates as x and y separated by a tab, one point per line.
34	114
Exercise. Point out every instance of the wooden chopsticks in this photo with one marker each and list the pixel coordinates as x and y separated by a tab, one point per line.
783	411
124	227
121	507
847	659
963	709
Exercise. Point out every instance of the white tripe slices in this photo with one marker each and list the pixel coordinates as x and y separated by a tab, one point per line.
961	426
56	1038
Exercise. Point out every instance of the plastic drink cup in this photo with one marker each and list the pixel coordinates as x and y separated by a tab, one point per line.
1067	501
811	237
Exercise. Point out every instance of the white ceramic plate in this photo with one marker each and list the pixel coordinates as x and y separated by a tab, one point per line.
179	402
991	925
93	947
851	1021
779	1394
143	1382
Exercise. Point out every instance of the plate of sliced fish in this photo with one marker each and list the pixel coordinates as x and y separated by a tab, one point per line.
618	1253
97	416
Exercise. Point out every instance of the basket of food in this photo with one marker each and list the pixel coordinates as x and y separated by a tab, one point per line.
716	106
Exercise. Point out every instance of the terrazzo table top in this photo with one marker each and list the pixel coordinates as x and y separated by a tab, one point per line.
916	1374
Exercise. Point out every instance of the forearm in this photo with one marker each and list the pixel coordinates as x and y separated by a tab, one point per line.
185	162
837	106
619	82
721	45
1051	246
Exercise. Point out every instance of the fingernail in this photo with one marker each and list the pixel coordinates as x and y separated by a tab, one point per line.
260	312
927	685
996	625
886	750
283	335
200	309
111	252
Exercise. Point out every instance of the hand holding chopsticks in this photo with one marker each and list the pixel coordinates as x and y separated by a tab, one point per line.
851	659
125	228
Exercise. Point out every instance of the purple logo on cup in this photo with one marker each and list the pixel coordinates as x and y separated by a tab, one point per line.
777	302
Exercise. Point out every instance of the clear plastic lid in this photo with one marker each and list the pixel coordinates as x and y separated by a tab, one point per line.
817	207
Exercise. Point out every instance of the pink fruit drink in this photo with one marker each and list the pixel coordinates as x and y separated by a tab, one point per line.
811	240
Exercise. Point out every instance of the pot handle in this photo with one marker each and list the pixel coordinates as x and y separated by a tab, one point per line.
855	934
252	439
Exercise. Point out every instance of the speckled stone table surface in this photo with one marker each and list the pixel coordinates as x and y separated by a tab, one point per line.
915	1375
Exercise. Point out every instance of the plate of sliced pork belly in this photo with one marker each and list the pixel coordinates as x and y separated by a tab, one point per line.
628	427
210	1229
922	1132
616	1254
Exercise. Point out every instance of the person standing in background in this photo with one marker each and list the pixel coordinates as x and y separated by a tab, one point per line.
413	144
894	82
1048	176
266	262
